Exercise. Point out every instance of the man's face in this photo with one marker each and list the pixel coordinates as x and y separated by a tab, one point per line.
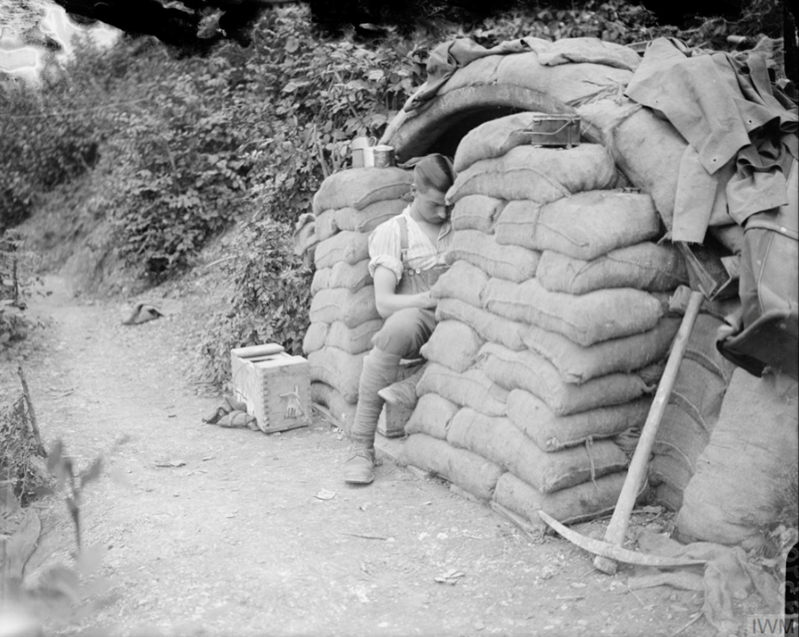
432	206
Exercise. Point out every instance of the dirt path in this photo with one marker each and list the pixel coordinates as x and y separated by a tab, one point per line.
236	541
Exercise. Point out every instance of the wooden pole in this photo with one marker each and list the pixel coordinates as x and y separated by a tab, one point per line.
617	528
34	425
4	570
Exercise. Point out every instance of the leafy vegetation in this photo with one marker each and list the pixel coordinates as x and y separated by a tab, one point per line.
16	279
186	176
60	588
20	467
271	299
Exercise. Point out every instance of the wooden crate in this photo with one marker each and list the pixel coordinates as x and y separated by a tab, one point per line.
275	386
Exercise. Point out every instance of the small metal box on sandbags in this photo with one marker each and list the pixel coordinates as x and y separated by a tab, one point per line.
275	386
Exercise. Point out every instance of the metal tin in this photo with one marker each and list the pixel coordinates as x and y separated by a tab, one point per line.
384	156
552	130
361	148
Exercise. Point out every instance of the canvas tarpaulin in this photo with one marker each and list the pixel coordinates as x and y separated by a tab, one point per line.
741	132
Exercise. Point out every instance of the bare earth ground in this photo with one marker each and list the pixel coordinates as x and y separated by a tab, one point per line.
236	542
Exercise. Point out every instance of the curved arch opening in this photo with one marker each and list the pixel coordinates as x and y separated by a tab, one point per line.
442	124
460	124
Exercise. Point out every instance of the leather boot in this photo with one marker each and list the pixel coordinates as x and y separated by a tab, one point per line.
403	392
379	370
359	469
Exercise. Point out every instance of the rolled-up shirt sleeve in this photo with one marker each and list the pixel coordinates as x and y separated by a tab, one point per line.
385	249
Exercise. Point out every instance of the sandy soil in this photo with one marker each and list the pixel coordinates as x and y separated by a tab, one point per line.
247	534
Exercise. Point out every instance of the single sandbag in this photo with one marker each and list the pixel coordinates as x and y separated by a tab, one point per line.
339	304
477	212
691	413
320	281
585	225
370	217
527	370
583	50
350	247
559	84
431	416
315	337
452	344
353	340
585	319
463	468
538	174
493	138
492	328
552	432
579	503
577	364
573	83
745	475
644	266
462	281
499	441
343	411
507	262
359	187
339	369
470	389
326	225
353	277
647	148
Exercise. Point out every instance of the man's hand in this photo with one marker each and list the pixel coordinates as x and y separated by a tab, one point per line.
388	302
426	301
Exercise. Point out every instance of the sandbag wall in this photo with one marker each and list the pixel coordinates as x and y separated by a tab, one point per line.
343	318
552	327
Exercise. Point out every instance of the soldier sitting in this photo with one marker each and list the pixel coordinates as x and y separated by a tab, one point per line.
406	258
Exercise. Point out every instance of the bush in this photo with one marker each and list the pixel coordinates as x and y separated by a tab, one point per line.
21	469
186	178
51	134
271	300
16	279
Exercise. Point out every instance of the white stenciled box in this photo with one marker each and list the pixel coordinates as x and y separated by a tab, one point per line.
275	386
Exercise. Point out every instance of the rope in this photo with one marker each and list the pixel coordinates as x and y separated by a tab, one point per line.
617	121
589	445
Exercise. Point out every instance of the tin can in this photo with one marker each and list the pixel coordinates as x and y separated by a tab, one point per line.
384	156
361	148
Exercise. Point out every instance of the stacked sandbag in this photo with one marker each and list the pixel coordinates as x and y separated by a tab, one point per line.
343	318
552	331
